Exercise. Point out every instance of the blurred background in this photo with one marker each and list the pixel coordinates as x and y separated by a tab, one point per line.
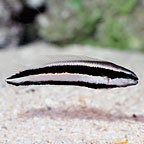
117	24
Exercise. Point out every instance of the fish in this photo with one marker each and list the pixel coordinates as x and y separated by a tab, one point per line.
78	71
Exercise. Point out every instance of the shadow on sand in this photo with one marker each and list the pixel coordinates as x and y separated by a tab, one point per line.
80	113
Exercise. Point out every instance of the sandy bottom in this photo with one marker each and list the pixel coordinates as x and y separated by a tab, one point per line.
70	114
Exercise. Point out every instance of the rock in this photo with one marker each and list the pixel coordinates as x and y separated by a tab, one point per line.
113	23
106	23
69	20
26	17
9	32
124	30
17	21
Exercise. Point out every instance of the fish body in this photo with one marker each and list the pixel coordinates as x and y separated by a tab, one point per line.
90	73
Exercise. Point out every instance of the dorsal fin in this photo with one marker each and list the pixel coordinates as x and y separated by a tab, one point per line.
50	59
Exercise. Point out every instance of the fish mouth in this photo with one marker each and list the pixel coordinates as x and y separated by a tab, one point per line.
133	78
134	82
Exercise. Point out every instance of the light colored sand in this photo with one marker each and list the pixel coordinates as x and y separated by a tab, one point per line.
68	114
